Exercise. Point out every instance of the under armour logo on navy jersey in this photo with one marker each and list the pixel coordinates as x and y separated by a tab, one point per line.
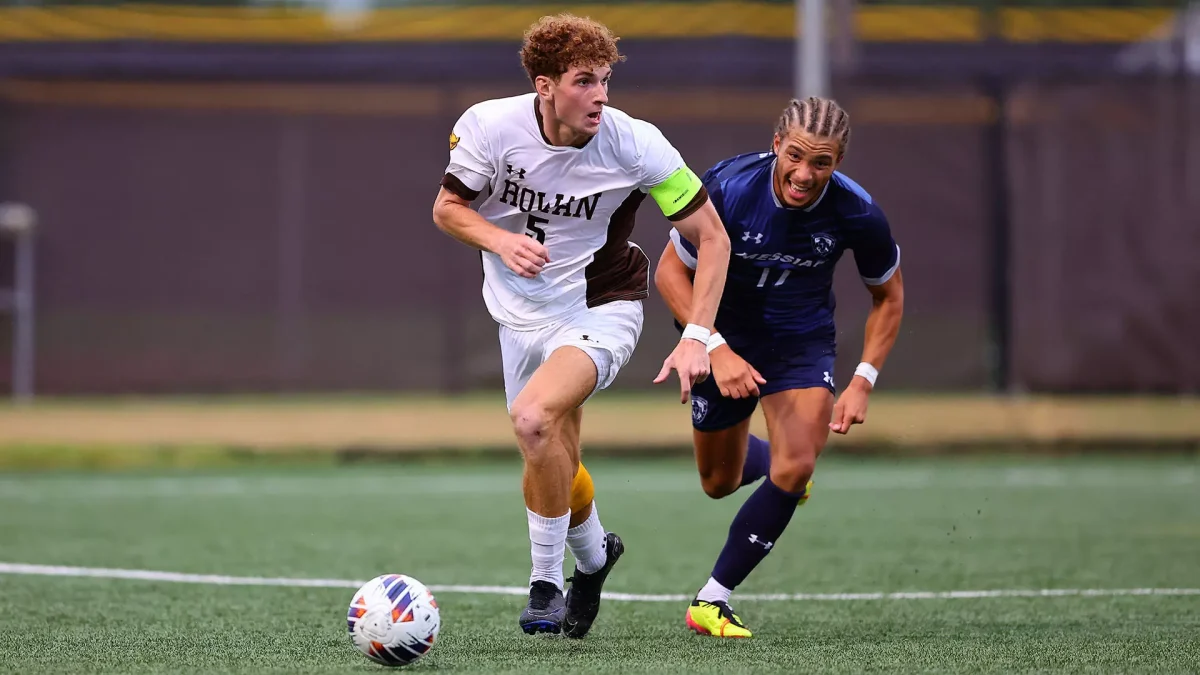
757	238
520	172
823	244
765	544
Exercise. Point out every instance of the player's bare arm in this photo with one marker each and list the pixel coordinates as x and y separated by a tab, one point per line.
453	215
673	279
690	357
704	227
883	325
735	377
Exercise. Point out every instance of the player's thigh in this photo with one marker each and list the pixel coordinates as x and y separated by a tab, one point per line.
521	353
545	407
798	427
720	436
607	333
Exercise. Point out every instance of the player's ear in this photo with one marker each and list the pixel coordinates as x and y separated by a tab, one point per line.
541	84
775	141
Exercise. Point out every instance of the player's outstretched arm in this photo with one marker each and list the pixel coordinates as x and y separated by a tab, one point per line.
704	227
883	325
673	279
735	377
453	215
690	357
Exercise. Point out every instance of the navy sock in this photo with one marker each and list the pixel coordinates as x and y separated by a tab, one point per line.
754	532
758	460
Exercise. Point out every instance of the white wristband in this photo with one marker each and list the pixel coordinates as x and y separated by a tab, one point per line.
715	340
697	333
867	372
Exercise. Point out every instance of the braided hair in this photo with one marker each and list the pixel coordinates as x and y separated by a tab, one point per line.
821	117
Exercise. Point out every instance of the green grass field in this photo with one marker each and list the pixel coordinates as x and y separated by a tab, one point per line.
872	526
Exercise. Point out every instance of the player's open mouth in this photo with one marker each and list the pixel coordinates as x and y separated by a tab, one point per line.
795	191
594	117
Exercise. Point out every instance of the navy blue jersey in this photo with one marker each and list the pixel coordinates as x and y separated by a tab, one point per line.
779	288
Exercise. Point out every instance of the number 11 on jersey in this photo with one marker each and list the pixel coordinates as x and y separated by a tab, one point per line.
762	281
538	233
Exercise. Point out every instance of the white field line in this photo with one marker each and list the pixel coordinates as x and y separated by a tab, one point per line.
221	580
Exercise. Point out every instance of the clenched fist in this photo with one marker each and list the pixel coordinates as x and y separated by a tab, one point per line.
522	254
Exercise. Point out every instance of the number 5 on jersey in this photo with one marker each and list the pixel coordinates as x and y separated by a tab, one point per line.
535	231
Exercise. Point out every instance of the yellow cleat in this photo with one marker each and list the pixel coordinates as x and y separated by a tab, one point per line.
805	495
716	619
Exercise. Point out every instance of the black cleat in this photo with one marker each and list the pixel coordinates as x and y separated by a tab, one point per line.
583	598
544	613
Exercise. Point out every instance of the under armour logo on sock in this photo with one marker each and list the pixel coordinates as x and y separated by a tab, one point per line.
765	544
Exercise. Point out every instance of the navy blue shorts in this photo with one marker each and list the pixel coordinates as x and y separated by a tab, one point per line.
807	367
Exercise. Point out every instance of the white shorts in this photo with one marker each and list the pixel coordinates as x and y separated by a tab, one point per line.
608	334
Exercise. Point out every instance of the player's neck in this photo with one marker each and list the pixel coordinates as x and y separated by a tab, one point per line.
555	132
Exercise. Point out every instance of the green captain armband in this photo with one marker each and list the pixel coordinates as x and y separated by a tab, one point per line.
677	191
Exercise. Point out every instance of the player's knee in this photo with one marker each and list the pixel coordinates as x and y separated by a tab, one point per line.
720	481
532	424
792	473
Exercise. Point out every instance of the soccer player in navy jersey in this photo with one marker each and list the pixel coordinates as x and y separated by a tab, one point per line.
790	216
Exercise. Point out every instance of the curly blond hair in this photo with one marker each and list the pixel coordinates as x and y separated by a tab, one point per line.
555	44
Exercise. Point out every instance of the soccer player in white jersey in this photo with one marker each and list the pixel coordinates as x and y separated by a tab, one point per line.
559	176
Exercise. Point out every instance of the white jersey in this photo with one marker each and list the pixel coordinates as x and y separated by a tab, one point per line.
579	202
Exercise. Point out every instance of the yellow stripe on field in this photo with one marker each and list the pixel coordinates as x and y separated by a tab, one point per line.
637	20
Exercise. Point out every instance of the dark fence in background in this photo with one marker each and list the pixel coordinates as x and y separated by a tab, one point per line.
250	217
215	238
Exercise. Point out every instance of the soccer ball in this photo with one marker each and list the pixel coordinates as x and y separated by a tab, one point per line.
393	619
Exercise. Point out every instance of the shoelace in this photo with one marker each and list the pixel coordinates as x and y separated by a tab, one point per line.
726	611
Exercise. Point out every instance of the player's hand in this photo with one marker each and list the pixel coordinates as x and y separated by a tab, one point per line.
735	378
690	359
851	406
522	254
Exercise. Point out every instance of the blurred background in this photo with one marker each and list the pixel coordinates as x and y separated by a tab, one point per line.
234	197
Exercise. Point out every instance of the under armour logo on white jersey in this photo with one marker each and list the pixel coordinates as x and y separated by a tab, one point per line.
520	172
747	237
765	544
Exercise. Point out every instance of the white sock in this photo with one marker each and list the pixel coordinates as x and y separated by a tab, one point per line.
714	592
547	539
588	543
